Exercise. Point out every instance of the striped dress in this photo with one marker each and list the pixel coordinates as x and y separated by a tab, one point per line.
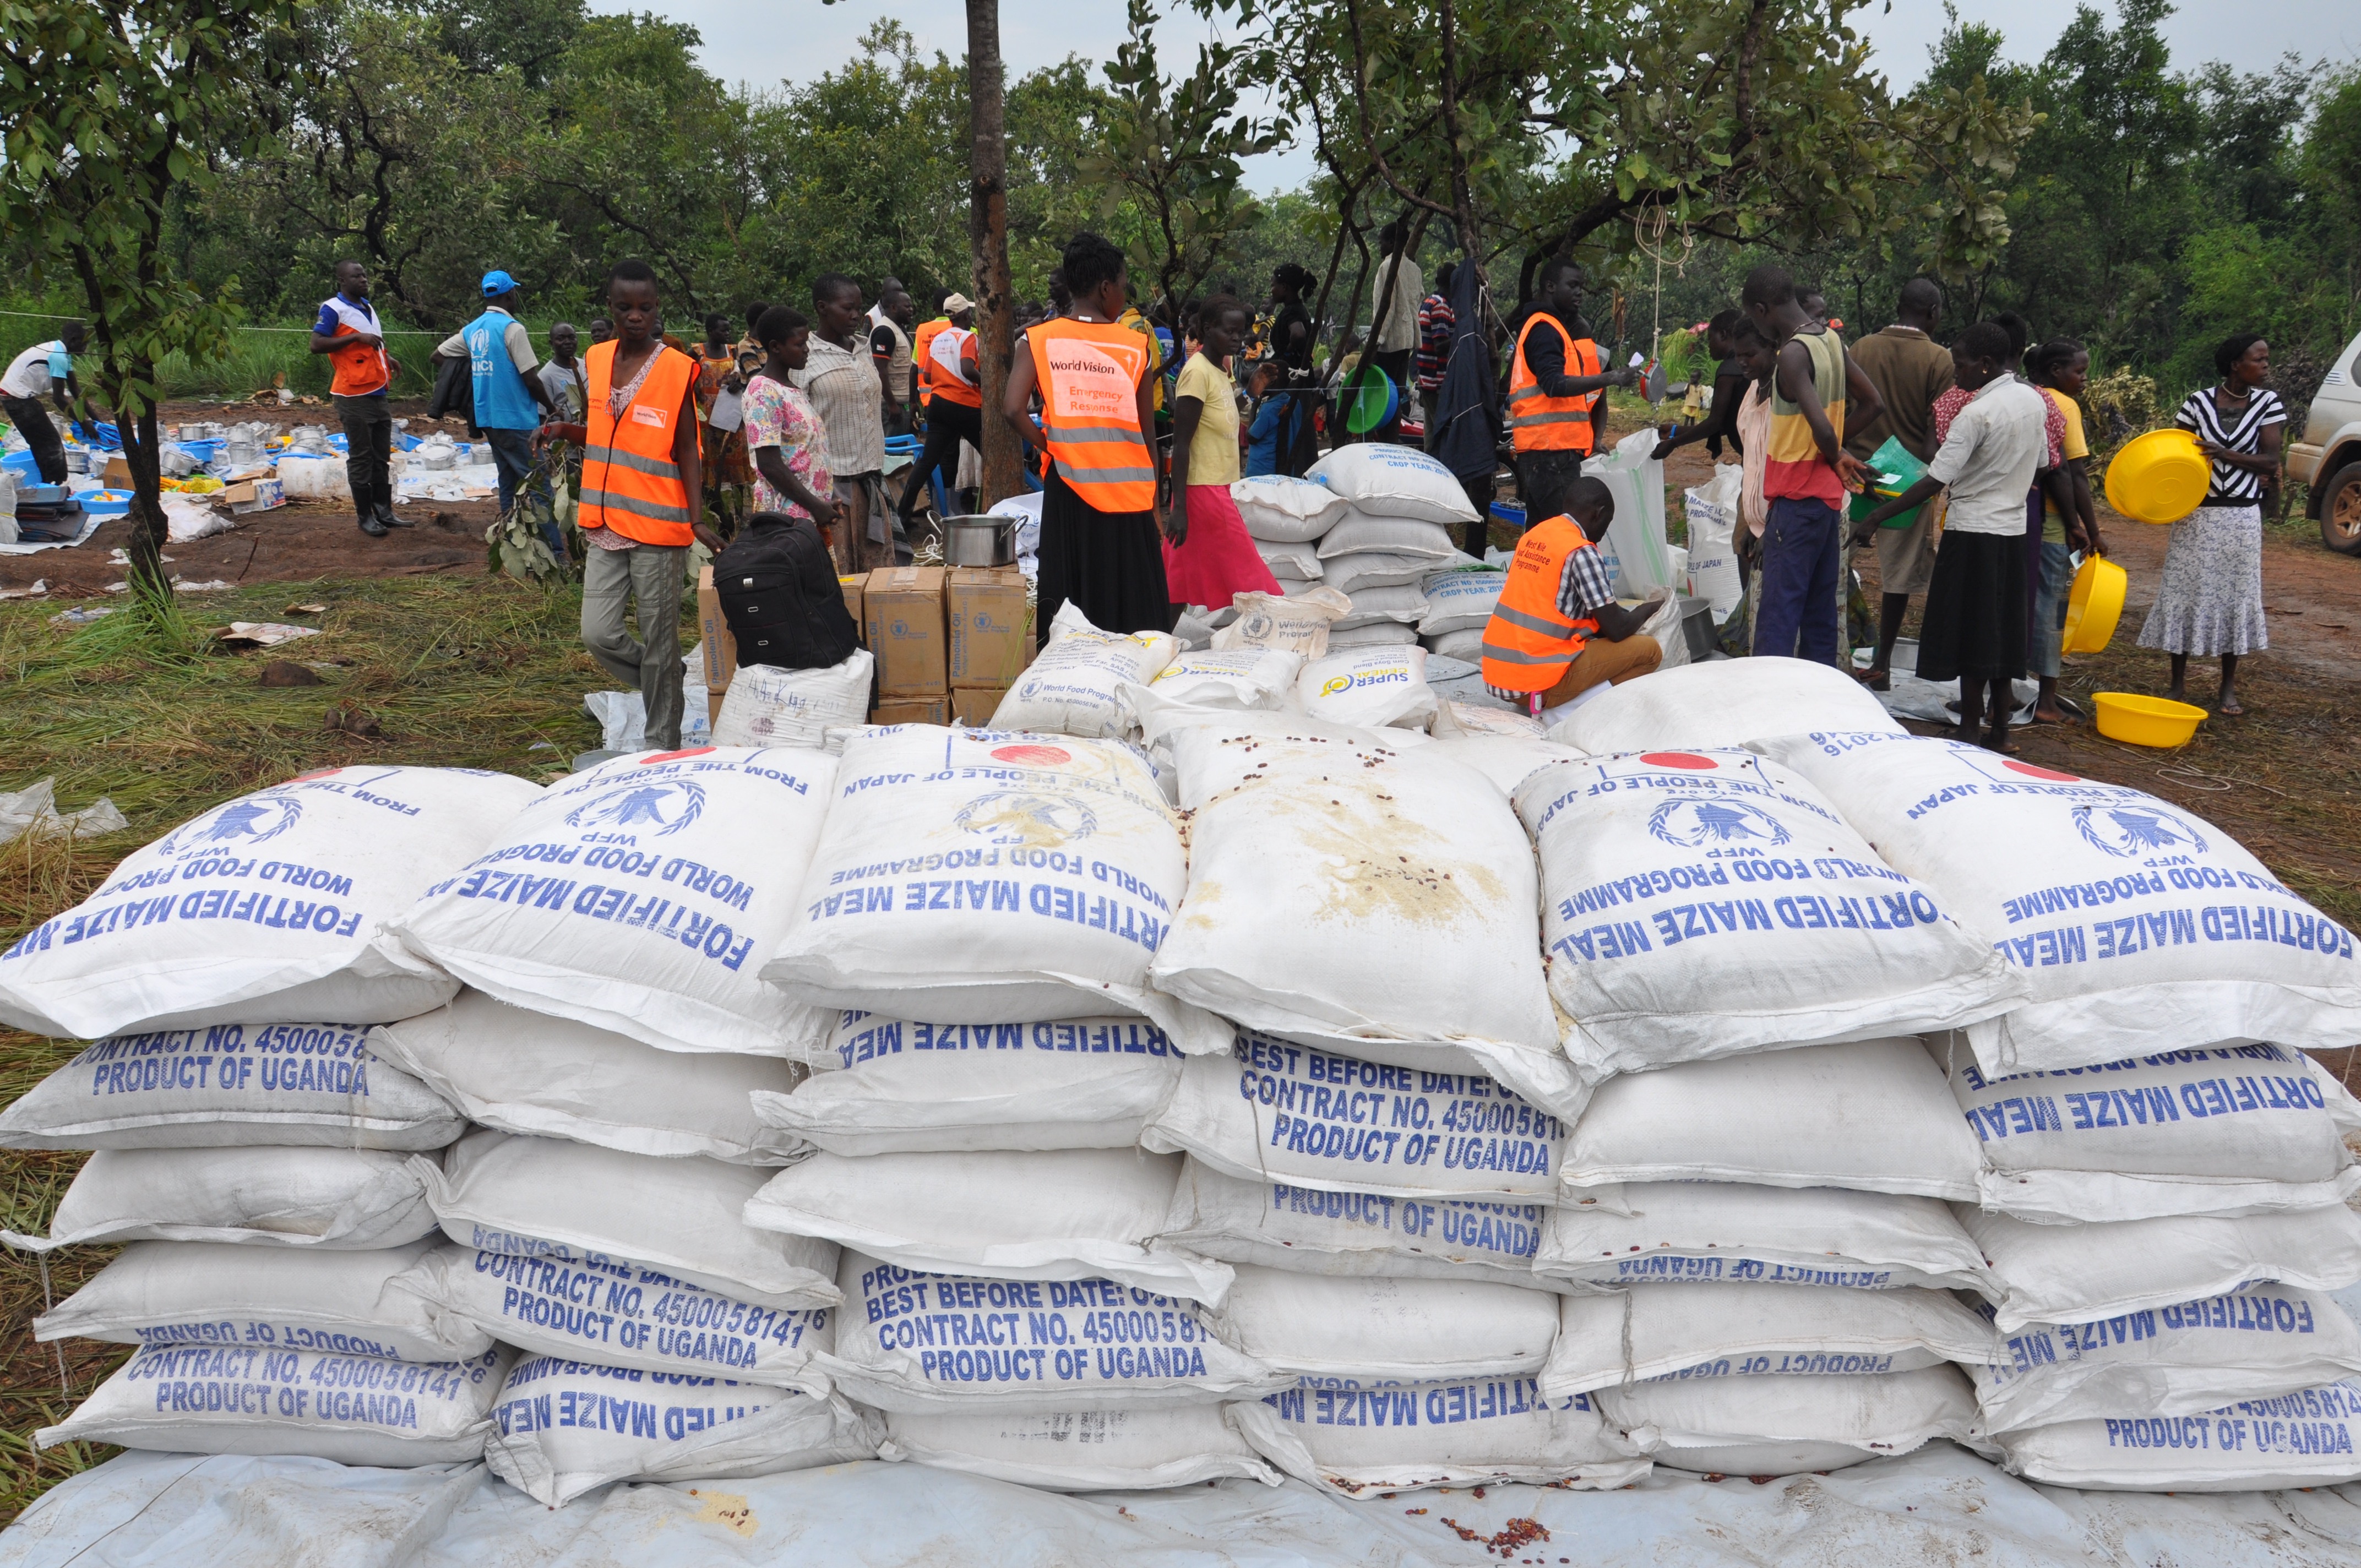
2210	601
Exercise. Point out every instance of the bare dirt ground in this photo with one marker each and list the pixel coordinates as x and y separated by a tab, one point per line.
301	541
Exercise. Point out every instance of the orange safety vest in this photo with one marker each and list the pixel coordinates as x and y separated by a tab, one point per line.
1538	423
941	380
921	341
630	482
1529	642
1090	374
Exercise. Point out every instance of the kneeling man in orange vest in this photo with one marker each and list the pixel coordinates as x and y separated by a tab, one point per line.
1557	630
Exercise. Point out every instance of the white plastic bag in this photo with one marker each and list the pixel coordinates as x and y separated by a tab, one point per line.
925	1343
1718	1232
354	1410
1317	866
901	1086
1639	561
335	1198
1298	623
1723	703
590	1208
1311	1231
1358	1438
269	908
766	706
1286	511
990	877
1871	1116
563	1426
1375	1328
1384	480
2138	926
1148	1449
1761	1427
2255	1343
216	1293
1071	689
1650	1333
527	1072
1372	687
2237	1130
231	1083
1703	904
1276	1111
1062	1214
2073	1274
1712	511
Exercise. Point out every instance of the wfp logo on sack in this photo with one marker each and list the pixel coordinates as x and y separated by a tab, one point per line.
1021	817
2132	831
661	808
1694	824
238	825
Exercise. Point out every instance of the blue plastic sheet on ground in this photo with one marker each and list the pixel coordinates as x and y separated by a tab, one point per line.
1940	1505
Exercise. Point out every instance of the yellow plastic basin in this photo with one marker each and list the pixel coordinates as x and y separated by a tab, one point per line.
2146	720
2159	477
2095	606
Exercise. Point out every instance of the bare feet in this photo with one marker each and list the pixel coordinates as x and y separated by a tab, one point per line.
1876	679
2053	714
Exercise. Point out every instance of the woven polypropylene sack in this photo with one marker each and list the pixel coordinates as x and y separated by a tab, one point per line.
1383	480
1287	510
2137	927
766	706
1360	1440
1241	678
270	908
1311	1230
1152	1449
643	896
1790	1426
1725	702
2306	1439
1071	689
1376	1328
340	1199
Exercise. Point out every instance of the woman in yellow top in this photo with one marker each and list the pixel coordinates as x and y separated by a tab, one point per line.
1208	556
1099	542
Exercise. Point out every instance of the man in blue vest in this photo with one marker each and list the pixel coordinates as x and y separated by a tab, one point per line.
510	400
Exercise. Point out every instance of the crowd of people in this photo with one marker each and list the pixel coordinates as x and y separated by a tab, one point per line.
1134	425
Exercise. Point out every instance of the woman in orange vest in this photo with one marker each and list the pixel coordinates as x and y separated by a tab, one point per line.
642	501
1556	631
1558	407
1100	546
942	356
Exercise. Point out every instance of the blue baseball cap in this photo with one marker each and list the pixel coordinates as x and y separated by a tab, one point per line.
497	282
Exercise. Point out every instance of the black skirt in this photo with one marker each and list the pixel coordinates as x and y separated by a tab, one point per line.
1111	563
1975	625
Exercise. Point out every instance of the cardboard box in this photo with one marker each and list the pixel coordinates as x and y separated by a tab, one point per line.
975	706
853	595
720	645
903	609
985	608
118	473
253	494
913	710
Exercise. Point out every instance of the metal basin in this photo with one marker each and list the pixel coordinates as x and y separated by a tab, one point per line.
979	542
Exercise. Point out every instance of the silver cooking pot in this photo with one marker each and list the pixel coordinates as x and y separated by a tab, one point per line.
979	542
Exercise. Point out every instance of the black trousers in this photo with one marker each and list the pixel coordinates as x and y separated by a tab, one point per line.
1542	479
369	450
33	420
947	424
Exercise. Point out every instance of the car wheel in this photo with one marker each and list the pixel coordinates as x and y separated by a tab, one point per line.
2340	511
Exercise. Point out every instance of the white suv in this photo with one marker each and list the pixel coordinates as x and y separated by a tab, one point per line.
2328	458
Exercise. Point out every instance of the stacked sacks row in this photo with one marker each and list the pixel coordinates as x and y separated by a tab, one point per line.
1393	534
267	1173
2149	1170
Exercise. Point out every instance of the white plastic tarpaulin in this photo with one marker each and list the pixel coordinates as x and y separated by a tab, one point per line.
1939	1505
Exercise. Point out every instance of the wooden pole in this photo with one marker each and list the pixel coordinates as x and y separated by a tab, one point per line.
987	224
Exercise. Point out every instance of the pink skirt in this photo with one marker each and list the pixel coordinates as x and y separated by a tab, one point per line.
1219	559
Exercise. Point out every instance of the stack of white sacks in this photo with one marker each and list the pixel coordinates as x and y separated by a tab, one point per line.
1253	1067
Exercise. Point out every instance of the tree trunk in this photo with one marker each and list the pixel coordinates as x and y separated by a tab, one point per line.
987	228
142	449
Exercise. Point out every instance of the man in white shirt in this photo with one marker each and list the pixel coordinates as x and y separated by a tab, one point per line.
1973	628
45	368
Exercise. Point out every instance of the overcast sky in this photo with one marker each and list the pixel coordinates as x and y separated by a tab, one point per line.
761	43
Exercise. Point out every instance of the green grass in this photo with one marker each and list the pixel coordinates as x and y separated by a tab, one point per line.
468	672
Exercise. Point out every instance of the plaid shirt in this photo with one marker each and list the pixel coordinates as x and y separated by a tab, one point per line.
1582	587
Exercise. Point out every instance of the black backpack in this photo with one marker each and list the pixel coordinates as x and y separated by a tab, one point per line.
769	582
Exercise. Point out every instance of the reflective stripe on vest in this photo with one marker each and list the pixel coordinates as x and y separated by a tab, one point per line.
1529	642
921	343
1090	374
630	482
1537	422
944	377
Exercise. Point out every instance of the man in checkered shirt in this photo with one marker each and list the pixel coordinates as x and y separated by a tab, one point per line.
1536	661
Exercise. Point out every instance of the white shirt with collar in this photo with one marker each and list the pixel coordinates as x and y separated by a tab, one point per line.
1988	461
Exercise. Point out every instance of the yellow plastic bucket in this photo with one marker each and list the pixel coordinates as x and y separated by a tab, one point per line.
2146	720
2095	606
2161	477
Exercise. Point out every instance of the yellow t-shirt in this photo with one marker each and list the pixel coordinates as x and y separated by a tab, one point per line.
1214	455
2053	526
